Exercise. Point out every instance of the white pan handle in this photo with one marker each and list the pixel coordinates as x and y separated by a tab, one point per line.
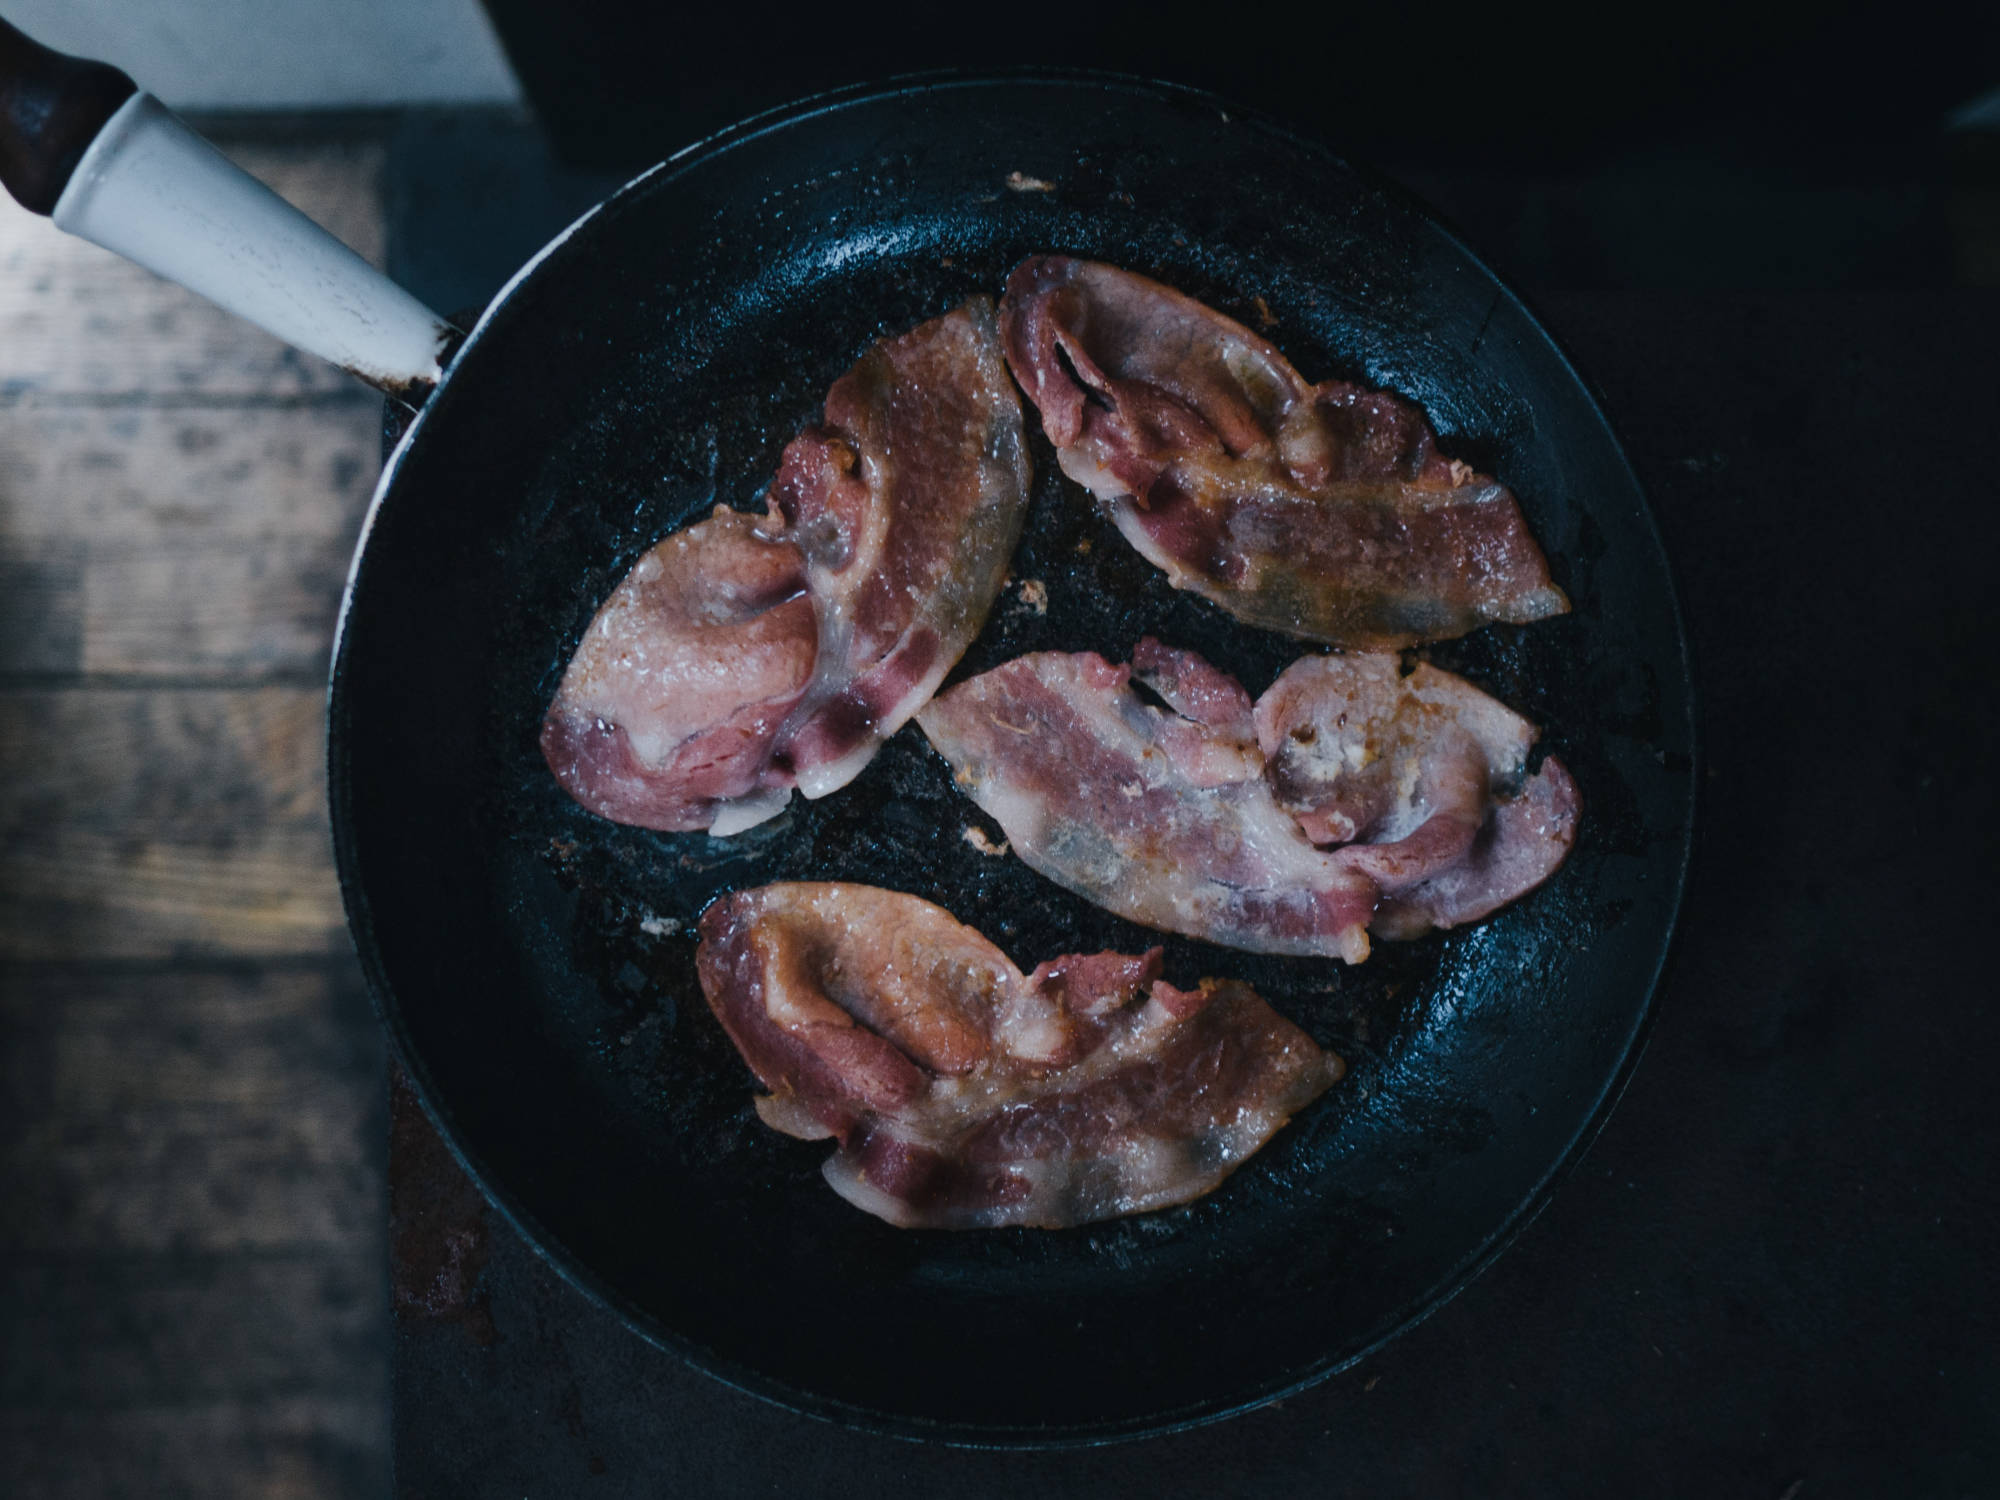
148	188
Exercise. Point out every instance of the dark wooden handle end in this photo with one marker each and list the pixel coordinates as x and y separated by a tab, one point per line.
51	109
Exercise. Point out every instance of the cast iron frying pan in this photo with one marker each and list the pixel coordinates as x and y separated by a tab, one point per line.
534	963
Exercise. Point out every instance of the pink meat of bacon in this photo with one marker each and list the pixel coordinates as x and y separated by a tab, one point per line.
1423	780
965	1094
1322	511
1162	816
1349	800
744	656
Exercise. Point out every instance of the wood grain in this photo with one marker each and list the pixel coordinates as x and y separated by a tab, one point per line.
192	1121
163	824
196	1111
245	1448
239	612
214	1326
41	605
143	475
178	543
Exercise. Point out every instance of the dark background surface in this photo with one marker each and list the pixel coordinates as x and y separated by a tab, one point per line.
1771	1274
1702	145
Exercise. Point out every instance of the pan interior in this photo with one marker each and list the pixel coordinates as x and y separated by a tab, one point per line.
535	963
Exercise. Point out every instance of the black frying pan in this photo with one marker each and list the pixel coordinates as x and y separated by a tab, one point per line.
534	965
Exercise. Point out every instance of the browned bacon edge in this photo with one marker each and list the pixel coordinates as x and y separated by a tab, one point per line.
1367	800
963	1093
704	692
1321	511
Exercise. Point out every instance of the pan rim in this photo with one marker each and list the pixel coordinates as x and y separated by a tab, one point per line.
969	1434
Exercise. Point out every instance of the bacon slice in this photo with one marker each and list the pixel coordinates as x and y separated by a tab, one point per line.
672	704
1424	780
907	505
1322	511
1368	802
1149	813
747	655
964	1094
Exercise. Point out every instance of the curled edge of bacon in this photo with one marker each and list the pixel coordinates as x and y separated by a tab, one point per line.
746	656
1322	511
1350	799
963	1093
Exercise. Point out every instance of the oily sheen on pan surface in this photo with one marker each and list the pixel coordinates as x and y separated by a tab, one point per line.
963	1093
1321	511
745	656
1348	799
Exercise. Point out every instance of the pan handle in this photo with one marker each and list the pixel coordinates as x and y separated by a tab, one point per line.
114	166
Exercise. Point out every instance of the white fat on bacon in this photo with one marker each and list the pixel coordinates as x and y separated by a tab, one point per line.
1349	799
966	1094
1322	511
747	655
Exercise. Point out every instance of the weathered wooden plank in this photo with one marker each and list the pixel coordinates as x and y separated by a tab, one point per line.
290	1448
178	542
243	611
191	1176
151	824
140	474
41	604
212	765
238	611
196	1112
135	1329
76	320
107	896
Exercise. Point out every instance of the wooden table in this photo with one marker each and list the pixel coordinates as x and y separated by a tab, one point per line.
192	1110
